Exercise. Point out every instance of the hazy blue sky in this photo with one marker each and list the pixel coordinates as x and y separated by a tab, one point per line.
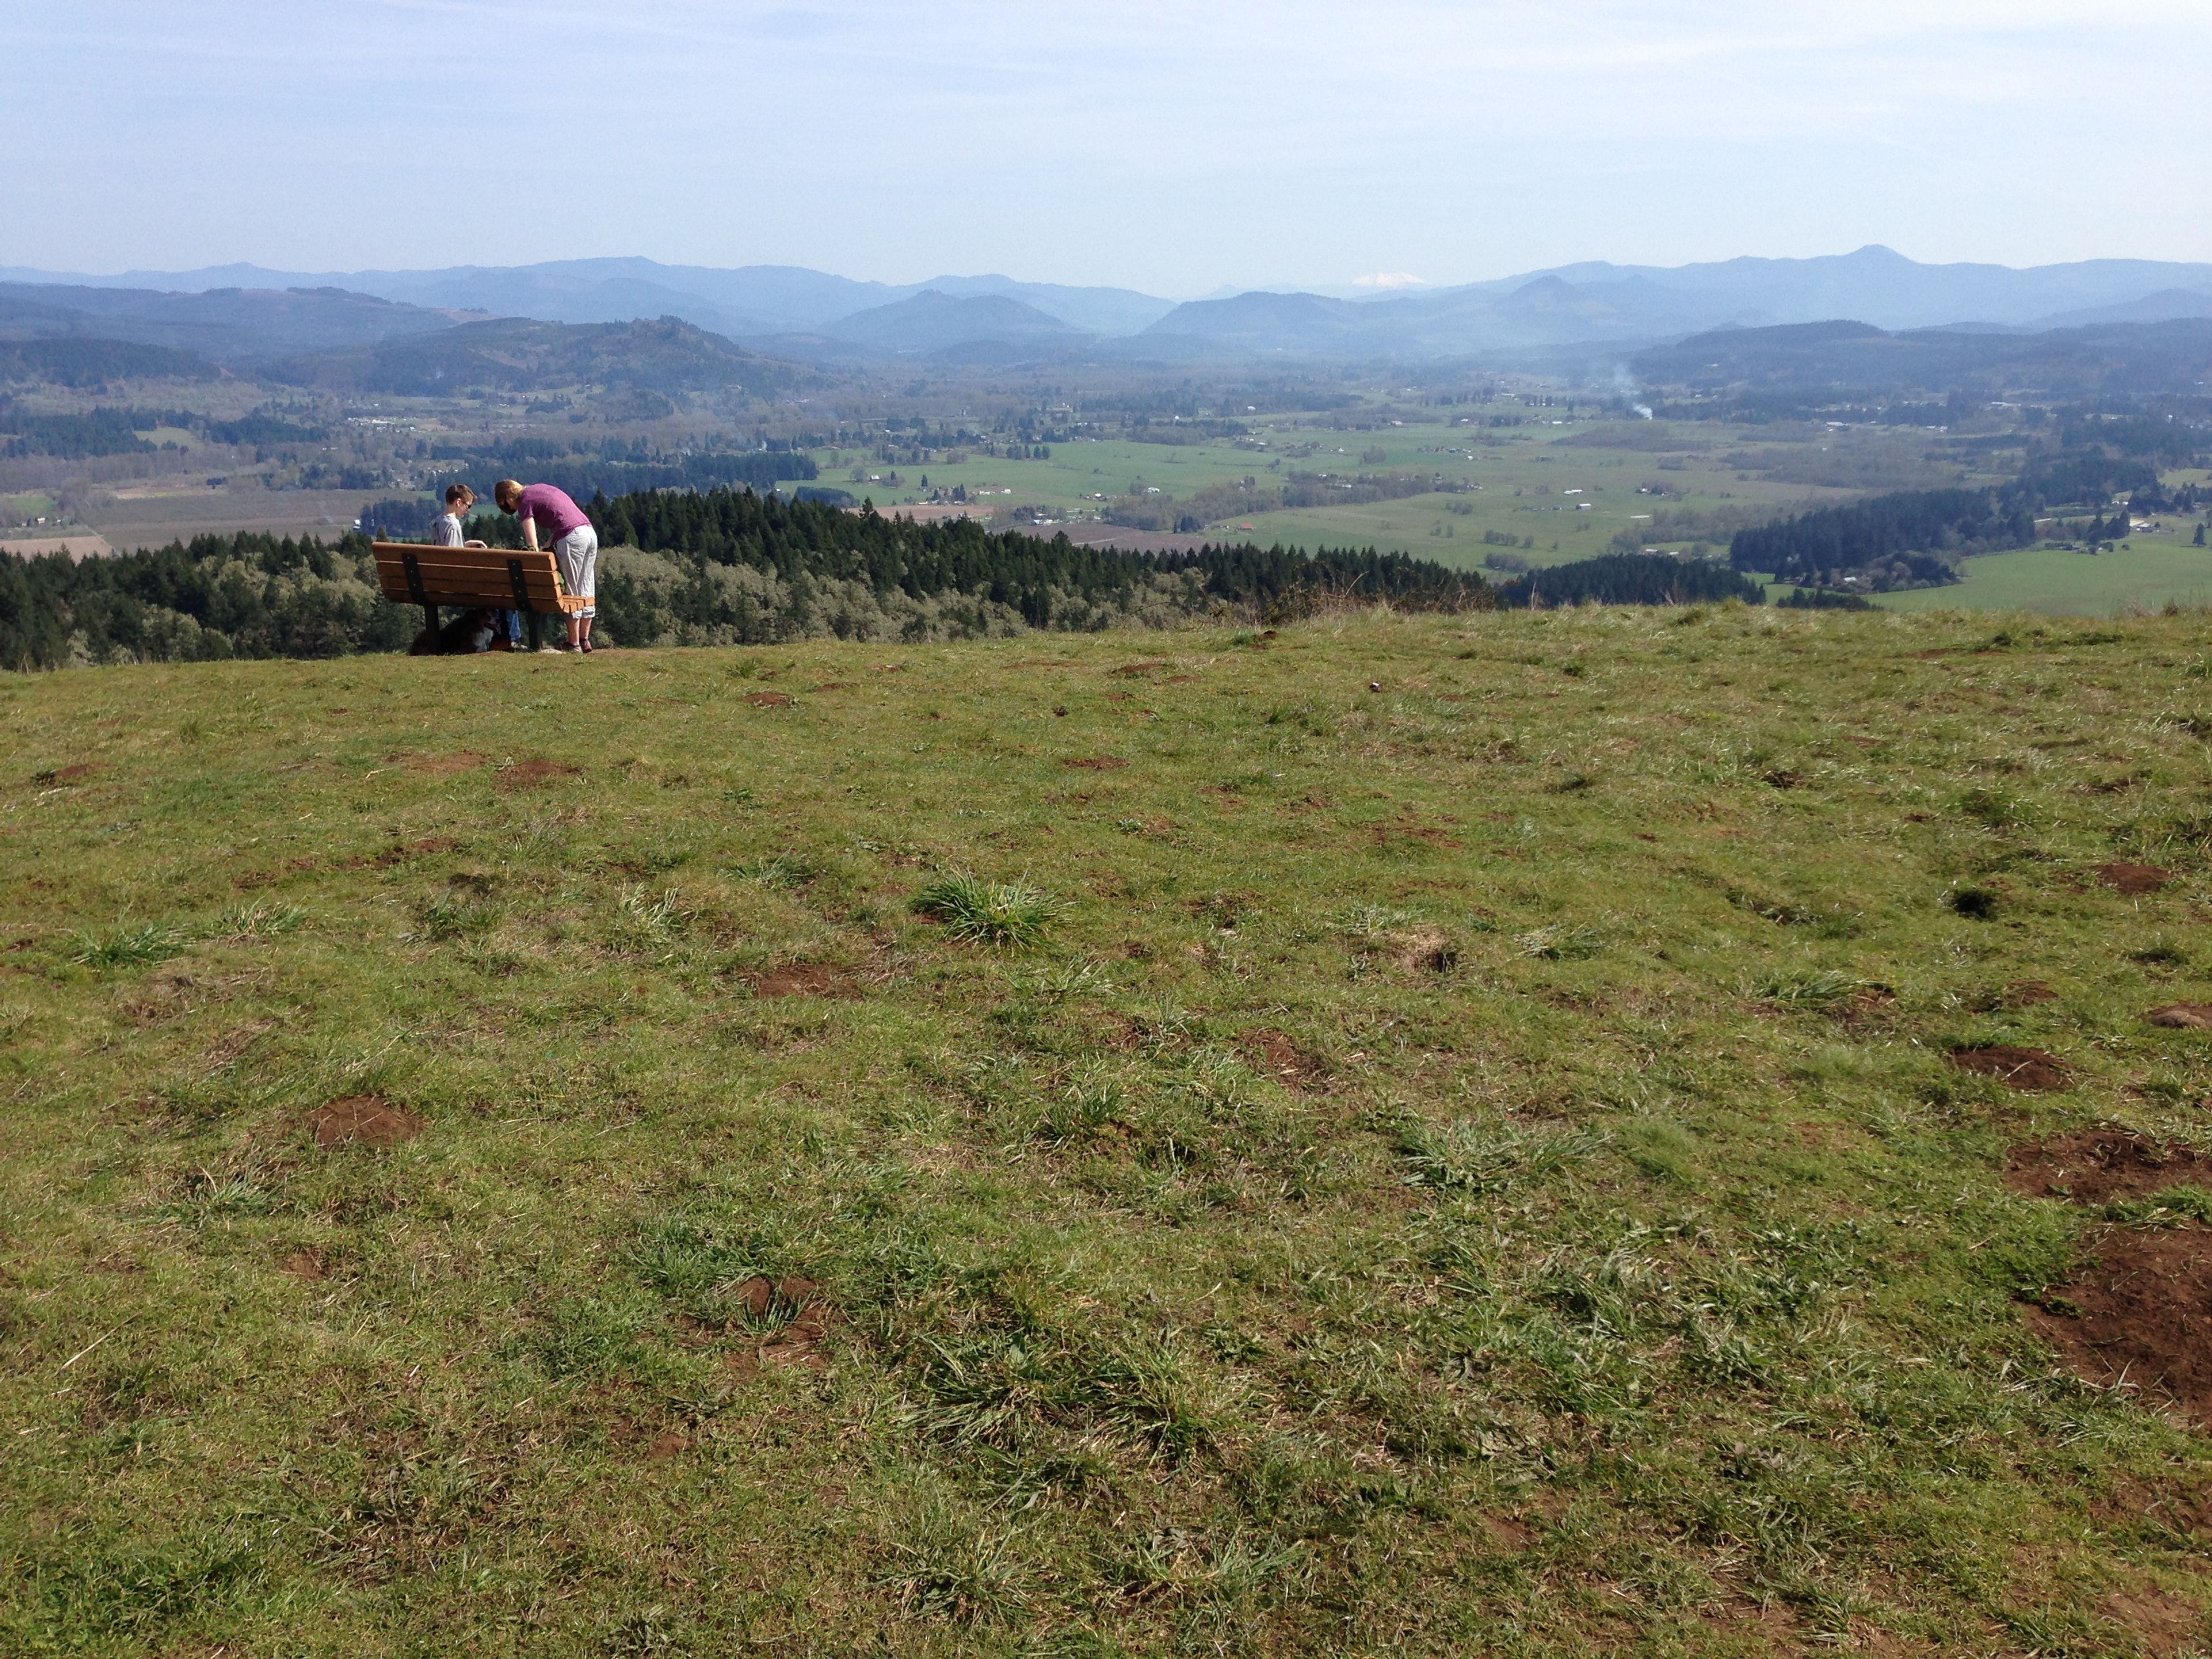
1172	145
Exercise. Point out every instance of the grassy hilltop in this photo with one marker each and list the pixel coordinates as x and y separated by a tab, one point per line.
1422	1135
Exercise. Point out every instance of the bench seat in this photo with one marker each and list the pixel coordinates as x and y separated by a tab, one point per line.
500	578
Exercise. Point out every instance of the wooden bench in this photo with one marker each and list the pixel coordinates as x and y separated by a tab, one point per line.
500	578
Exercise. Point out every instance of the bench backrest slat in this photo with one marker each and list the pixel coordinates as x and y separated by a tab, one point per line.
470	576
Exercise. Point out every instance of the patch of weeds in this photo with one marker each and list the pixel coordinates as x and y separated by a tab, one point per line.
1996	809
647	923
259	921
1660	1146
1072	979
1008	913
461	911
1820	990
587	1337
87	1595
1084	1109
787	870
1487	1156
1560	944
940	1567
209	1196
2176	1206
131	947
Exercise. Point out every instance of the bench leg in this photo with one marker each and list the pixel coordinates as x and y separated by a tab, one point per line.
430	619
533	630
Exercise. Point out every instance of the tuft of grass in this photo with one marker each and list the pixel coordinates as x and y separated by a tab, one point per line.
1560	944
1012	914
1487	1155
131	947
1816	990
787	870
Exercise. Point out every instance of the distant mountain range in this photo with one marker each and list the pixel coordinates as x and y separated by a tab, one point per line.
237	315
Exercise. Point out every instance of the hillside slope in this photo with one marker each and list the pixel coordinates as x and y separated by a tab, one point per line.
1522	1134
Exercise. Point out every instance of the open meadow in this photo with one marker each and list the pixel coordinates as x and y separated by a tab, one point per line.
1583	1133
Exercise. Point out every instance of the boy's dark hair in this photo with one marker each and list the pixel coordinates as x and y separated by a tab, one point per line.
458	492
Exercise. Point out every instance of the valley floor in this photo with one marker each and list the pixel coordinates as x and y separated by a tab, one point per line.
1537	1134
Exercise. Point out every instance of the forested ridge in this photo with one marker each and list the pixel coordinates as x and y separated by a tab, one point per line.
724	566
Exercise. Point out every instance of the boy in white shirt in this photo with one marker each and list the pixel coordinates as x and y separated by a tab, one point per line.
447	532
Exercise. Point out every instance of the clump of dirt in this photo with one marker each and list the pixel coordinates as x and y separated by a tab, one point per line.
2134	877
1181	679
75	772
2025	993
307	1265
365	1119
806	979
2182	1016
2029	1069
1133	668
770	699
1783	778
2138	1312
534	774
1274	1053
1424	951
2139	1315
2095	1166
799	1339
834	685
442	766
1095	763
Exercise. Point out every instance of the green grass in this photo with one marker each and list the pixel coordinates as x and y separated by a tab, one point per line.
1468	1166
2147	573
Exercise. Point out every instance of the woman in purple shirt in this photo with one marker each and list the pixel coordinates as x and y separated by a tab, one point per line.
545	510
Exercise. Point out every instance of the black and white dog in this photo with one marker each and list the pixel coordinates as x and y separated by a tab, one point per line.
470	632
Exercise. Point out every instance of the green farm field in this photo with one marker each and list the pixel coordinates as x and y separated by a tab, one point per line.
1572	484
1549	1133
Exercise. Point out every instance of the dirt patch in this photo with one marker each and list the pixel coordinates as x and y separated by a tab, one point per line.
75	772
664	1446
2161	1625
535	773
834	685
806	979
2182	1016
2138	1314
2133	878
1095	763
442	766
2095	1166
2016	1069
1274	1053
2026	992
307	1265
1137	667
799	1339
366	1120
770	699
399	853
1181	680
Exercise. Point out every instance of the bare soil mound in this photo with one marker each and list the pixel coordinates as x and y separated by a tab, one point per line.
2182	1016
1095	763
806	979
1274	1053
2026	992
770	699
534	774
2134	877
365	1119
2095	1166
2017	1068
2139	1314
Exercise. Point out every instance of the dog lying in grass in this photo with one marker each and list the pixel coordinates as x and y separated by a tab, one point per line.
470	632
